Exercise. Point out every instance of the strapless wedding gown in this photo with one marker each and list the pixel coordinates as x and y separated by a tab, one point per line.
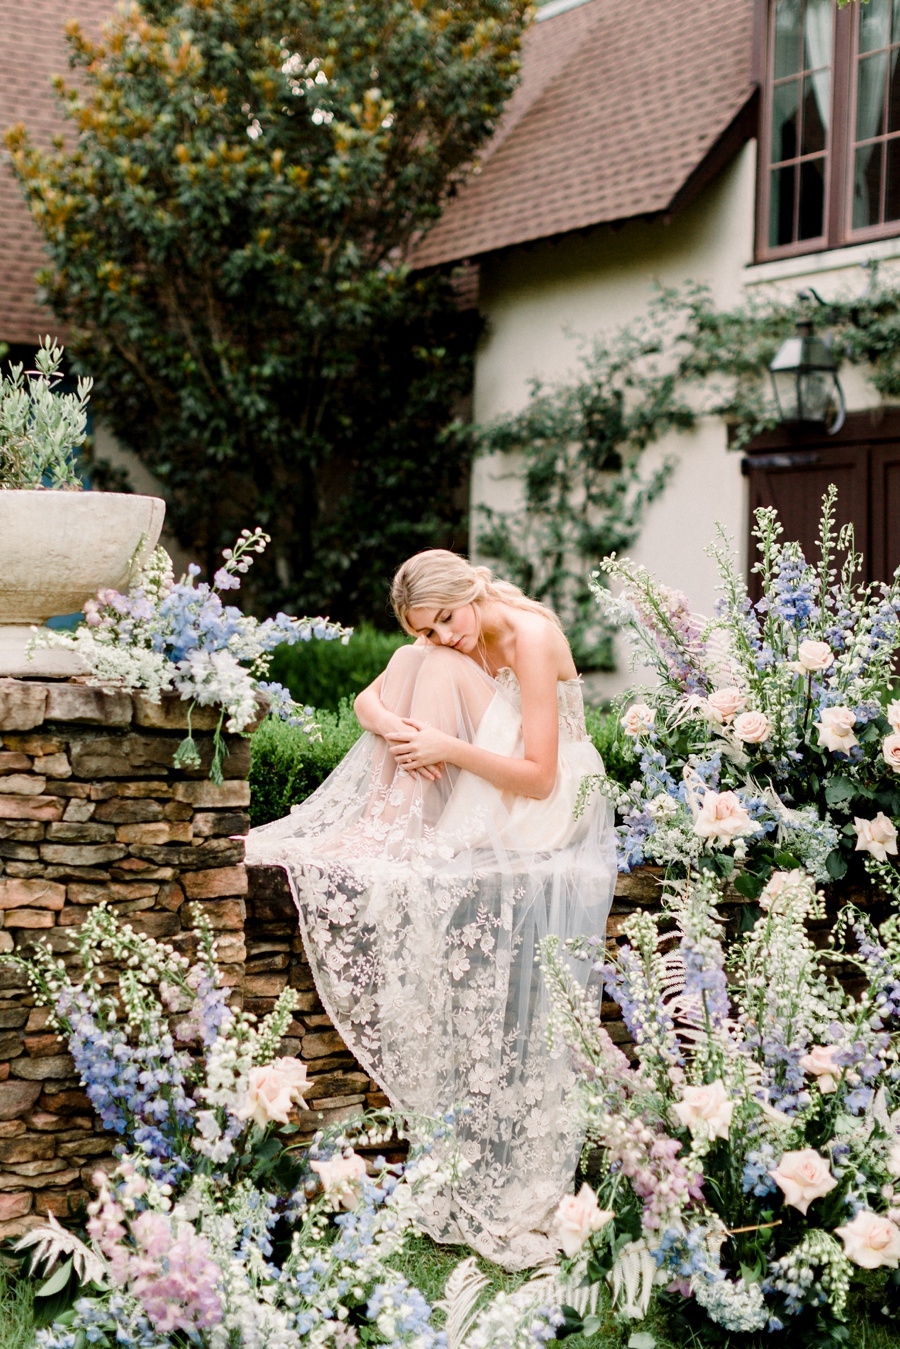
422	905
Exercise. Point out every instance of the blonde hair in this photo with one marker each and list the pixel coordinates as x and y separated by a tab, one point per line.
443	579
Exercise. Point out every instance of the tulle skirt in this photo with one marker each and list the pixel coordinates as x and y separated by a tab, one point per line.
422	905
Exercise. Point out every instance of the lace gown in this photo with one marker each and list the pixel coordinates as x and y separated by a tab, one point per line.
422	905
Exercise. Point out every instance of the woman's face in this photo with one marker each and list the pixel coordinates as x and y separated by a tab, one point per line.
446	626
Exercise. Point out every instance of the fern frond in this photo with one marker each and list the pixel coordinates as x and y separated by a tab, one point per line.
460	1301
51	1243
581	1297
632	1278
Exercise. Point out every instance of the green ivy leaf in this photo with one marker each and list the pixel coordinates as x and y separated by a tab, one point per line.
836	864
749	885
57	1282
839	791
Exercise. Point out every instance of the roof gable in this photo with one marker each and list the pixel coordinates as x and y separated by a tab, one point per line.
618	108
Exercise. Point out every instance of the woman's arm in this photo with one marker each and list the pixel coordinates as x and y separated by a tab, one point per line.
417	746
373	716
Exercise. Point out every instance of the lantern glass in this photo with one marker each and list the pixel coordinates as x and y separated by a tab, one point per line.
804	377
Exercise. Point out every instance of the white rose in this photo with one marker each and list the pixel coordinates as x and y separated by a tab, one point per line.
871	1240
813	656
722	818
722	704
820	1063
890	751
752	727
878	836
271	1091
577	1216
705	1110
341	1177
802	1177
892	712
638	719
836	729
893	1160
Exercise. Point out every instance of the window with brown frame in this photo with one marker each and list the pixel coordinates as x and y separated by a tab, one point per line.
830	139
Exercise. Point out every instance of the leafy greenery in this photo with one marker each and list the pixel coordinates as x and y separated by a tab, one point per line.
16	1311
41	428
324	673
580	443
229	237
287	765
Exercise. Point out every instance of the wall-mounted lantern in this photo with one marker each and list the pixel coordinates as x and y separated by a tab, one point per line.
804	376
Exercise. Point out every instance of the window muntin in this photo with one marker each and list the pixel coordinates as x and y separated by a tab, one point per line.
799	118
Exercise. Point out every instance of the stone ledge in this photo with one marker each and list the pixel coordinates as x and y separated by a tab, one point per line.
26	704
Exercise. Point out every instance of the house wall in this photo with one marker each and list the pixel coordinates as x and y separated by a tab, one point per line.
540	301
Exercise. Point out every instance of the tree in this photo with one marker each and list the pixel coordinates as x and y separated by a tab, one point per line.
229	229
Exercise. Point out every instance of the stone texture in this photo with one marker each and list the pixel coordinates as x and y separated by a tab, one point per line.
36	894
90	706
6	943
171	714
123	810
30	1149
41	1046
61	1203
53	766
160	832
80	832
31	807
30	918
214	882
82	855
10	1044
17	1098
220	824
10	762
24	784
14	1206
220	914
77	812
22	705
41	1070
120	756
208	795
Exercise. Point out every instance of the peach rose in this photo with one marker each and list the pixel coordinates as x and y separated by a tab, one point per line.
638	719
722	818
722	704
802	1177
820	1063
813	656
706	1110
892	712
836	729
878	836
752	727
577	1216
341	1177
890	751
272	1089
871	1240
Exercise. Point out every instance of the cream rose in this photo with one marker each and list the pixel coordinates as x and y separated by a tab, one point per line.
813	656
890	751
892	712
820	1063
878	836
802	1177
752	727
577	1216
272	1090
836	729
723	704
722	818
341	1177
871	1240
706	1111
638	719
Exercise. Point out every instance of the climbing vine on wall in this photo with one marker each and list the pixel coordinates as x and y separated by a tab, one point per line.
576	449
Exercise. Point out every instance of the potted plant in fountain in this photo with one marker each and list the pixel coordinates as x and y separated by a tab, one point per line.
58	544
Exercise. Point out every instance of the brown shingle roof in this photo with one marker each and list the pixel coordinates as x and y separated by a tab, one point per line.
619	106
32	51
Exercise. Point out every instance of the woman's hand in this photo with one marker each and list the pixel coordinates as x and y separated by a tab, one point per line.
418	748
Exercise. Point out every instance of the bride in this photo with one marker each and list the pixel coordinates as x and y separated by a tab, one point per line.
430	865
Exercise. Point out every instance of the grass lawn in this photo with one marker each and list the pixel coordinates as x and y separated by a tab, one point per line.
427	1265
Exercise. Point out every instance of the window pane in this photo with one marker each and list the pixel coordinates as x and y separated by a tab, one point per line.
817	28
816	106
784	120
788	14
870	96
867	186
812	199
781	206
892	184
893	119
895	26
874	25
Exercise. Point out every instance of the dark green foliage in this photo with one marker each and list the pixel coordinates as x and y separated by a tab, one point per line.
287	765
229	229
324	673
616	749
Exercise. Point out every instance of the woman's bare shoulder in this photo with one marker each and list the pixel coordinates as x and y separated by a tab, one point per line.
538	639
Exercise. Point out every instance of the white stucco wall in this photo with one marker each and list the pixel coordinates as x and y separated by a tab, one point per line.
540	300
